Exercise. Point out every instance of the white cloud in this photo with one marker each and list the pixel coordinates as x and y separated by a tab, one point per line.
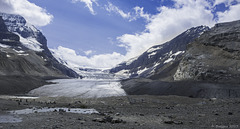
32	13
167	24
161	27
96	61
226	2
88	52
131	16
229	15
217	2
89	4
112	8
140	13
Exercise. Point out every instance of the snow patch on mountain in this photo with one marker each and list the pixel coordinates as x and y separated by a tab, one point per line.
19	51
172	56
31	43
141	70
152	54
4	46
179	52
168	60
123	74
23	54
153	49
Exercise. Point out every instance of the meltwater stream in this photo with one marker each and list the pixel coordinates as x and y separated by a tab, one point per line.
81	88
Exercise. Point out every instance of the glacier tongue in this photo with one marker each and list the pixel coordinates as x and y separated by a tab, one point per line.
95	83
81	88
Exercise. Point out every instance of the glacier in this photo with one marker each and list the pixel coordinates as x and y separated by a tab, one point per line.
80	88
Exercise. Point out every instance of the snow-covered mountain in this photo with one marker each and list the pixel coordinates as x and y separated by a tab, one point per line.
209	67
149	64
29	35
30	38
25	60
91	73
85	72
157	60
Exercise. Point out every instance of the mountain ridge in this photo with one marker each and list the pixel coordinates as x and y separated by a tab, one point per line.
22	68
159	56
214	56
209	68
33	39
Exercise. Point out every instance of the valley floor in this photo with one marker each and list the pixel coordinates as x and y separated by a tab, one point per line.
132	112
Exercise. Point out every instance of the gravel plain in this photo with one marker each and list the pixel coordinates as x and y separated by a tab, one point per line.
130	112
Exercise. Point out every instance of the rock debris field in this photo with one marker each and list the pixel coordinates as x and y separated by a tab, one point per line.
133	112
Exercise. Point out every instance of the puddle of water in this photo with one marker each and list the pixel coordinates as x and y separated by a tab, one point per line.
9	119
69	110
13	116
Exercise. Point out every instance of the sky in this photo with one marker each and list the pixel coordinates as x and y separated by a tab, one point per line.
103	33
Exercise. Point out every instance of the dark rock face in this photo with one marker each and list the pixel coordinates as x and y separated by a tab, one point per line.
11	85
17	24
3	27
7	37
214	56
195	89
157	60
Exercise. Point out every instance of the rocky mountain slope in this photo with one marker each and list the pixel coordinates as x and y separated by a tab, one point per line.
214	56
159	60
25	61
33	39
209	68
